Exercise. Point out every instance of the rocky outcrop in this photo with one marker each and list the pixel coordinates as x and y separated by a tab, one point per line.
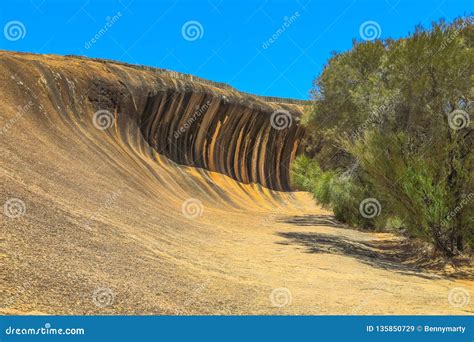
192	122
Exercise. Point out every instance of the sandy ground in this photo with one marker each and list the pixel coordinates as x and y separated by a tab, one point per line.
103	231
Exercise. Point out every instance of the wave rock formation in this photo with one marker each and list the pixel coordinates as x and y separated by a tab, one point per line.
134	190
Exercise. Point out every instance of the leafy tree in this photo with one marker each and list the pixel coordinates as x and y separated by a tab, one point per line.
393	117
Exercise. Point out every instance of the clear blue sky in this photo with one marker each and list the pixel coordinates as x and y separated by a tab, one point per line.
230	47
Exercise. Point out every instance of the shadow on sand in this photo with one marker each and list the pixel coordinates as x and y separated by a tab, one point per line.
391	254
314	220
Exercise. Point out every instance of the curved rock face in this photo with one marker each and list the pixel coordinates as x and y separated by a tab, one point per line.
197	125
242	136
100	190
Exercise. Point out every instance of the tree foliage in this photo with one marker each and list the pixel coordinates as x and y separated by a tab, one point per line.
391	121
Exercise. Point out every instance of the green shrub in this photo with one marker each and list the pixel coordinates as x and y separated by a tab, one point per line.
383	115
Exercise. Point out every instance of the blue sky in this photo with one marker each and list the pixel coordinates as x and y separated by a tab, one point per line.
232	43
